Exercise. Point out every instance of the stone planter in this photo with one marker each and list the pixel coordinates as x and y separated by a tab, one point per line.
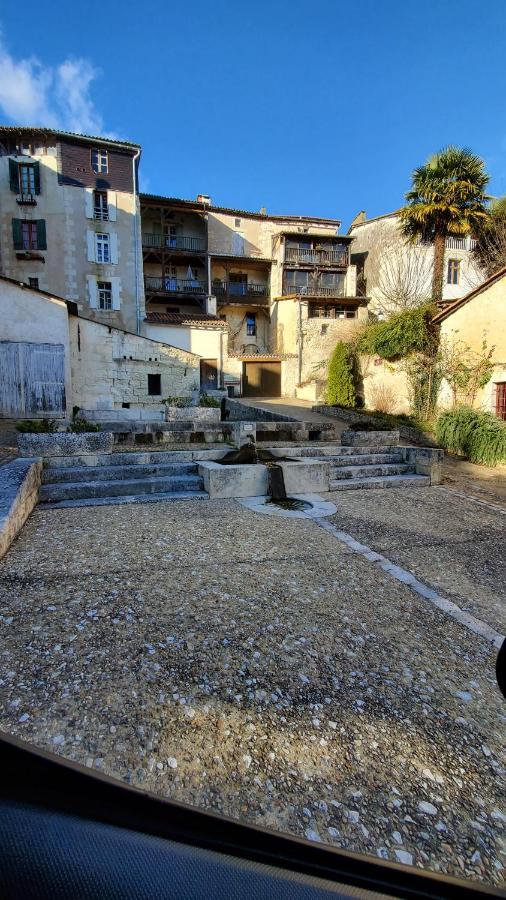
369	438
192	414
64	444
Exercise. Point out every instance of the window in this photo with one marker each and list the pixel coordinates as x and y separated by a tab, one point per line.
500	399
154	385
170	232
453	271
99	161
34	283
104	292
296	281
103	248
29	235
26	180
251	324
100	206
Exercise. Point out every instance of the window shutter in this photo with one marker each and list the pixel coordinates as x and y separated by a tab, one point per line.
17	234
36	177
115	287
90	240
14	175
113	242
88	202
111	205
92	291
41	234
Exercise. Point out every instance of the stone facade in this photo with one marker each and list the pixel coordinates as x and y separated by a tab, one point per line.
111	367
65	444
385	261
64	257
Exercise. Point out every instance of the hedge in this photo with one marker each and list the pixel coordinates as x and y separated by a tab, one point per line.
478	435
341	383
407	332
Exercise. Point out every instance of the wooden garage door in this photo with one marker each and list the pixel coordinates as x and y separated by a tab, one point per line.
32	378
262	379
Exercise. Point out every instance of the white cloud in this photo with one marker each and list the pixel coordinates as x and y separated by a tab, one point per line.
55	96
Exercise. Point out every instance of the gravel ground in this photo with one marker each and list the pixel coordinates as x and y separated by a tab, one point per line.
255	666
450	542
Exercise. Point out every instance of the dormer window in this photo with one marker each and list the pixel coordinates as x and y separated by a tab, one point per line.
99	161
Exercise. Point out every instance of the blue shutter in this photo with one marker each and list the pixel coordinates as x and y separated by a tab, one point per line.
17	234
14	175
41	235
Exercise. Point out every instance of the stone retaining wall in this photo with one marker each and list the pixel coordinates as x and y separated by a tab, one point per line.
19	490
353	415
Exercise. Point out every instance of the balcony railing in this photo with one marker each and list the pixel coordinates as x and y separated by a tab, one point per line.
314	290
171	285
316	257
174	242
236	290
456	243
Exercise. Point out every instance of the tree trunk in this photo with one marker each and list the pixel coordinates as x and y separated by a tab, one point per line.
439	265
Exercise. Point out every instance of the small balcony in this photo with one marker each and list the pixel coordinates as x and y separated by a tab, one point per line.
180	242
239	291
170	285
307	257
314	289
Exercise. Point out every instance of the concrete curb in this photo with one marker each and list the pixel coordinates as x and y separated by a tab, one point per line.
19	494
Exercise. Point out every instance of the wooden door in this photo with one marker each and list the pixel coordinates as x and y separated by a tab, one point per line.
208	374
262	379
500	400
32	379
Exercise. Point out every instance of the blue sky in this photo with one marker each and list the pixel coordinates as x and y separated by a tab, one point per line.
315	109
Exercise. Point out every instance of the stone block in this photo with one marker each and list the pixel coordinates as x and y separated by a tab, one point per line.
241	432
233	481
426	460
65	444
192	414
309	476
19	487
369	438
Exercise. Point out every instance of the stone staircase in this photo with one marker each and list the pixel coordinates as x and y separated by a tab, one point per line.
118	478
359	467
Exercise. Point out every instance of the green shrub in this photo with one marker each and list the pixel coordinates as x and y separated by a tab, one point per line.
180	402
407	332
207	400
478	435
341	383
82	426
37	426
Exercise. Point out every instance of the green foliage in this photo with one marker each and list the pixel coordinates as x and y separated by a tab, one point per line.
407	332
207	400
82	426
424	374
341	381
180	402
37	426
478	435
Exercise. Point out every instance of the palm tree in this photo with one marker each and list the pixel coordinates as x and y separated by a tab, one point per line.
447	198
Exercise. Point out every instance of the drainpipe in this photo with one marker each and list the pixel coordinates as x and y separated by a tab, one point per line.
300	337
136	246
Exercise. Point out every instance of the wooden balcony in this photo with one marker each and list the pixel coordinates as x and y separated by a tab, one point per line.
314	289
239	292
179	242
170	285
336	258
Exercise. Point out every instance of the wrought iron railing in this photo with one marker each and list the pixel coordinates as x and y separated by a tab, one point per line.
170	285
174	242
316	257
314	290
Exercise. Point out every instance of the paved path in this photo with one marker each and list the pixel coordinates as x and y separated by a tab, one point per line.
296	409
260	667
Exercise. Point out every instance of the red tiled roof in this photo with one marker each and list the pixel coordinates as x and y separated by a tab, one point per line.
173	318
260	356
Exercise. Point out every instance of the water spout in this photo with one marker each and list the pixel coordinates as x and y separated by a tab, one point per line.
277	488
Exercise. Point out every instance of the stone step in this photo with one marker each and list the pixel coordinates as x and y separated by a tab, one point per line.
342	472
132	458
132	486
130	498
388	481
367	459
114	473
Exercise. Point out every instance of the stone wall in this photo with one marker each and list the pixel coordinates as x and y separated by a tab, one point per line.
19	488
111	367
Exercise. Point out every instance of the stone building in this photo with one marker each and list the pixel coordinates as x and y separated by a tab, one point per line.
69	220
391	272
53	358
203	260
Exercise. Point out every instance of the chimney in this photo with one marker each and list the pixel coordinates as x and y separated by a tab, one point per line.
210	306
263	211
359	219
204	198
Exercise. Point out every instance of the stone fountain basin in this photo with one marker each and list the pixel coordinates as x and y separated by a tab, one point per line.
303	476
